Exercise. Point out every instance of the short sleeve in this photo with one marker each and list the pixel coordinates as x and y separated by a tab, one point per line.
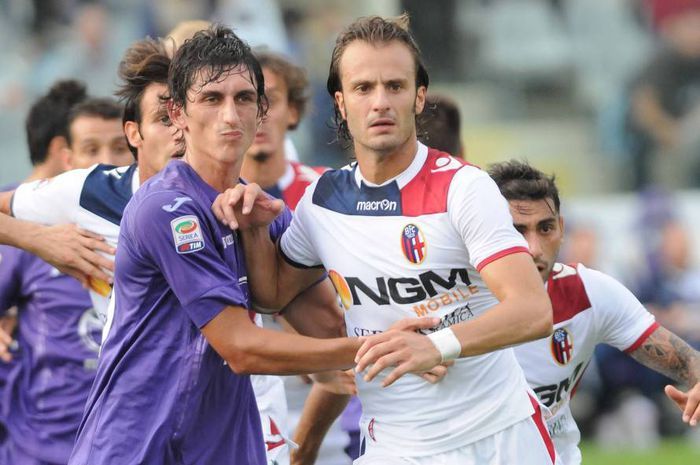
182	244
280	225
295	244
10	277
622	320
480	214
50	201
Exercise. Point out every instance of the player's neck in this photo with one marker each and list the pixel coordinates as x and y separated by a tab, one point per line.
378	167
218	174
265	173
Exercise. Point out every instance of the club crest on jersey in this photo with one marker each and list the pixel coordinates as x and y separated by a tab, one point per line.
187	234
413	244
342	288
562	346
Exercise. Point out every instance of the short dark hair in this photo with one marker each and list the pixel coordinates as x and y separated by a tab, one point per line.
216	51
373	30
294	78
144	63
48	117
439	125
99	107
517	180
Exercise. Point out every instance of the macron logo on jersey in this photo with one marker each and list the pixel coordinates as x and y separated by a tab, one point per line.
376	205
187	234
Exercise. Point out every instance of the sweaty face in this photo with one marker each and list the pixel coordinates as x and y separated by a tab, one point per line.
155	138
542	228
98	140
379	99
220	119
269	139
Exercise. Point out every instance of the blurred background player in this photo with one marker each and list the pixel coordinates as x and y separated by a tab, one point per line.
58	332
590	308
266	162
440	124
95	134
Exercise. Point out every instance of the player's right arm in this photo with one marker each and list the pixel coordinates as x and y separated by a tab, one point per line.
70	249
274	282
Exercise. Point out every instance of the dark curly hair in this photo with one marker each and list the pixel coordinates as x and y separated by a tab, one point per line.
373	30
517	180
214	52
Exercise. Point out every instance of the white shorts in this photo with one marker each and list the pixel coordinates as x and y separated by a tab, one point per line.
272	405
525	443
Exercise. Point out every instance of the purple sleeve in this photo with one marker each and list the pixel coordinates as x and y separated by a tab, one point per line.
280	224
182	245
10	277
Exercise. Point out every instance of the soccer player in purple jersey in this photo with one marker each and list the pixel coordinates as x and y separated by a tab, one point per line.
58	333
171	385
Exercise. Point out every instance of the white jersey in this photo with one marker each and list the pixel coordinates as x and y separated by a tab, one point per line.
92	198
590	308
414	247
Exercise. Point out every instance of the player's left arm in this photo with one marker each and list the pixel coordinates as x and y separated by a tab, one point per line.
665	352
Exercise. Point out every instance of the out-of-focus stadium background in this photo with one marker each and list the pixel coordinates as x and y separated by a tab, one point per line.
562	83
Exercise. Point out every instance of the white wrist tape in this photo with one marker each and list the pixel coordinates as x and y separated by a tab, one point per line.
447	344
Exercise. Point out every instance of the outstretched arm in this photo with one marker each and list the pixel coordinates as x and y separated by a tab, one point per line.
670	355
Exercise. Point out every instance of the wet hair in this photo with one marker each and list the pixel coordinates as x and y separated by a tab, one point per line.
294	78
48	117
518	180
146	62
439	125
213	53
98	107
373	30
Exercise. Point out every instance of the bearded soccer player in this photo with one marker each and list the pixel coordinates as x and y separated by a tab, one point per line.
408	230
590	308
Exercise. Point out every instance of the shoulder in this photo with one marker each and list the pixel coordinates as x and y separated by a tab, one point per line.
106	191
567	292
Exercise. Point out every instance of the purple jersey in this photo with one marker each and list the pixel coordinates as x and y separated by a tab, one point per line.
58	339
163	395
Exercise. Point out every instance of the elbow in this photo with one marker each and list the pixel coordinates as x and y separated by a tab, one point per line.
242	364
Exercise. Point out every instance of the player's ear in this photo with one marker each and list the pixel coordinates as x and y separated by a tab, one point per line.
293	117
56	152
561	224
340	102
133	135
420	99
176	112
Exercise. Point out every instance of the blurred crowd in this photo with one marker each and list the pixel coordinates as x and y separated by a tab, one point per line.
604	93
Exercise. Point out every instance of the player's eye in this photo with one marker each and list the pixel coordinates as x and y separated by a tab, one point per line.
165	120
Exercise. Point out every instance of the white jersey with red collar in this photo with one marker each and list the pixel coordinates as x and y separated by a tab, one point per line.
295	180
590	308
414	246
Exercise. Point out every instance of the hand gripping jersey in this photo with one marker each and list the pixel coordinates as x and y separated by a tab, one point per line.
162	395
590	308
92	198
58	336
414	247
291	186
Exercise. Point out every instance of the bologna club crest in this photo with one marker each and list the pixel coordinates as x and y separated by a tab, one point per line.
562	346
413	244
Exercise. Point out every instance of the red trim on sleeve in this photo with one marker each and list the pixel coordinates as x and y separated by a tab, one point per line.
642	338
539	421
501	254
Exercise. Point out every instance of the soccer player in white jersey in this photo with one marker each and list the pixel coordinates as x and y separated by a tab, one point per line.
410	231
590	308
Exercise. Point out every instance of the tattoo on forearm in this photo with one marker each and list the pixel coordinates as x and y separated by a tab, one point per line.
670	355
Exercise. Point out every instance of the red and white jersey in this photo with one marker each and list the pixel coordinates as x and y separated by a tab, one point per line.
296	179
590	308
414	246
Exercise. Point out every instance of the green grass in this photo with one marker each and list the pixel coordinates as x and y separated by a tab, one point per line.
671	452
